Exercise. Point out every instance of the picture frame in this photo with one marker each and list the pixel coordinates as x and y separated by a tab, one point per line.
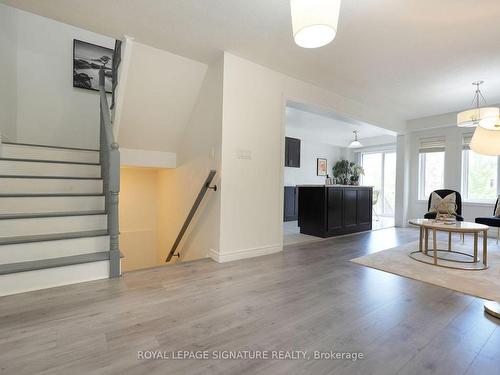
88	58
321	167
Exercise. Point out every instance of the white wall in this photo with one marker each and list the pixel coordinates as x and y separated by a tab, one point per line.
199	152
49	110
139	218
437	121
159	96
252	160
309	152
148	159
8	84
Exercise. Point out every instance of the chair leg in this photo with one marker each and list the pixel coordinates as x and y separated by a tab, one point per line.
375	212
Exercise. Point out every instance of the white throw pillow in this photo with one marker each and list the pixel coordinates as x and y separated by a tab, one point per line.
446	205
497	212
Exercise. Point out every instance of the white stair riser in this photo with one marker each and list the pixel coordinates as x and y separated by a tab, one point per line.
23	168
48	225
26	252
15	205
45	153
51	277
49	185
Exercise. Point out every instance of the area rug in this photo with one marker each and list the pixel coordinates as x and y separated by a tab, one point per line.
484	284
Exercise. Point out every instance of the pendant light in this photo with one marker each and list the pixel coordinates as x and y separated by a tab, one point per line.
314	22
486	141
355	143
485	117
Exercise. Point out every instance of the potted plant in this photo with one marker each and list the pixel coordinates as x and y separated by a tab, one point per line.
342	171
356	171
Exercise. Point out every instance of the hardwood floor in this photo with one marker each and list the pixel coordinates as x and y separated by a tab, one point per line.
310	297
292	235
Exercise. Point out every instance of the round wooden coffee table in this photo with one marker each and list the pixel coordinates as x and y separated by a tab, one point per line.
449	258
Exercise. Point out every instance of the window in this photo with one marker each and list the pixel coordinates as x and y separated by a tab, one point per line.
479	174
430	166
380	172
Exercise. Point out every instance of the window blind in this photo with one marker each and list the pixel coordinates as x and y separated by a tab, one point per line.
467	137
435	144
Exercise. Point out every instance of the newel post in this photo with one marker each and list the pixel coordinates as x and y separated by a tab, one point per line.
113	216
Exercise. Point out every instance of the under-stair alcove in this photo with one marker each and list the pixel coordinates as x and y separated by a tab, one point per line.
153	208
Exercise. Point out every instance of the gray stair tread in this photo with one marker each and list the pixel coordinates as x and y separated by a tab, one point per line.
48	161
51	195
51	214
51	177
48	146
51	237
54	262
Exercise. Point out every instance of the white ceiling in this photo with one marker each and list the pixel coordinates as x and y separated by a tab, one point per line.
417	57
313	126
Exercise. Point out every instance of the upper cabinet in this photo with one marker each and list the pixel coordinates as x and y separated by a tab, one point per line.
292	152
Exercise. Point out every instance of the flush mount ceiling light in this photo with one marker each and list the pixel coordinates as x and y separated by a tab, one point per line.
485	117
314	22
355	143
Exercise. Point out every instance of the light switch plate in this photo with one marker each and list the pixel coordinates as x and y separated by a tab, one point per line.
244	154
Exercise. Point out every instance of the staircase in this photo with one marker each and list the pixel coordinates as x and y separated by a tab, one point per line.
53	220
59	209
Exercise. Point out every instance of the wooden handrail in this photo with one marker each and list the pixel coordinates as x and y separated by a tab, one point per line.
196	204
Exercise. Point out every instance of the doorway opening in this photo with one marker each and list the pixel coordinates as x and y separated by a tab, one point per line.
315	140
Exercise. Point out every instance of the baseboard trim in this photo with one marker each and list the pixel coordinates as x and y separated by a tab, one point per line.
243	254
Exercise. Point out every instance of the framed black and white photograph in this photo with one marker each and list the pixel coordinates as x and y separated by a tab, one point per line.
88	58
321	167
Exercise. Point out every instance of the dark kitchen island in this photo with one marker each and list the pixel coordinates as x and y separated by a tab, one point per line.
333	210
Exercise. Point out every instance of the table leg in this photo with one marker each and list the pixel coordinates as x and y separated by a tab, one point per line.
426	235
434	245
420	239
449	241
475	247
485	248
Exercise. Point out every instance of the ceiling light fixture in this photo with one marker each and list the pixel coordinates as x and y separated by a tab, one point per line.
485	117
314	22
485	141
355	143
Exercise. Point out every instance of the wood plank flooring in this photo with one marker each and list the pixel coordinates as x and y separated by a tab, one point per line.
310	297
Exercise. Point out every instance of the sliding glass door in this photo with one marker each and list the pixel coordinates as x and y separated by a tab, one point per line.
372	164
380	172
